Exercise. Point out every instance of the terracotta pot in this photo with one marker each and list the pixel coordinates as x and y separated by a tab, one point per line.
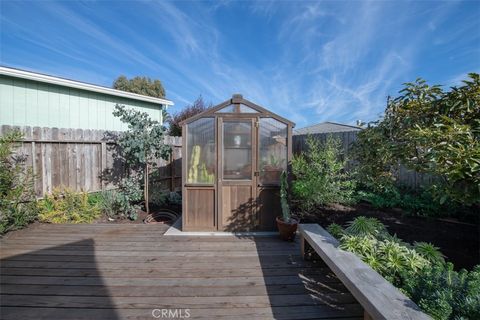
287	230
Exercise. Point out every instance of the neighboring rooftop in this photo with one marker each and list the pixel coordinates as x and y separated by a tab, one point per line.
79	85
326	127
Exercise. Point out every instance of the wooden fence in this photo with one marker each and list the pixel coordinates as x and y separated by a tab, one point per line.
404	176
89	160
85	160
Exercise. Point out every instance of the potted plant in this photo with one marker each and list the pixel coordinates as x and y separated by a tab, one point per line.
287	226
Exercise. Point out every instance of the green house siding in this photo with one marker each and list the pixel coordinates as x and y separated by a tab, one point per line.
32	103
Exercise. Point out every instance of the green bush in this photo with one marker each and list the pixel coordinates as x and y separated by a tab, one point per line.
444	293
374	167
121	203
429	252
17	195
319	175
67	206
392	258
95	199
421	203
380	200
165	198
418	270
431	131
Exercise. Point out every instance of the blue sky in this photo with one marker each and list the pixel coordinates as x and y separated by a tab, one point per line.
307	61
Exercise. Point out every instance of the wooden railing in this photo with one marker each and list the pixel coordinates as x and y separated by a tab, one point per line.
379	298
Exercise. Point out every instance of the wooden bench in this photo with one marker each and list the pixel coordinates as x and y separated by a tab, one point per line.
379	298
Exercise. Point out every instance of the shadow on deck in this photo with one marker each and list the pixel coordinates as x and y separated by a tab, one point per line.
127	271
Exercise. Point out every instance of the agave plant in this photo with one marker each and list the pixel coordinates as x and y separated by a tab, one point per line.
362	226
429	252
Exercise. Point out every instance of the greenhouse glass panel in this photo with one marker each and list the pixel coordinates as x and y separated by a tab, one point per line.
237	150
201	151
273	150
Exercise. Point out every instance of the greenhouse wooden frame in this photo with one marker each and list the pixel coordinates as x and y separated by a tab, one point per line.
234	154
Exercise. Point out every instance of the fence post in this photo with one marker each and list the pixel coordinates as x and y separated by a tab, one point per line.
172	170
34	167
103	166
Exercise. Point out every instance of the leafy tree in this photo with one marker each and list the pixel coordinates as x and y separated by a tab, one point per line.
142	143
431	131
375	168
140	85
198	106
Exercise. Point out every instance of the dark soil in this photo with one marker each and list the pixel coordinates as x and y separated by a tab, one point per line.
459	242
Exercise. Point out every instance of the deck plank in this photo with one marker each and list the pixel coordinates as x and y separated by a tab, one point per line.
125	271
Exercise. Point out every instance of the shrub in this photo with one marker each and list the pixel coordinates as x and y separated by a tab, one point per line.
167	198
374	168
379	200
17	195
444	293
431	131
121	203
95	199
393	260
419	270
420	203
429	252
363	226
320	177
67	206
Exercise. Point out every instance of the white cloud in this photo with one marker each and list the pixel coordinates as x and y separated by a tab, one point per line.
325	61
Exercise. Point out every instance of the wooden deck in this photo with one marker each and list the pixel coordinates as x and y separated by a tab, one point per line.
127	271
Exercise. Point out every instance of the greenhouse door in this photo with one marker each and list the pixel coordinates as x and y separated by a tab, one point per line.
236	180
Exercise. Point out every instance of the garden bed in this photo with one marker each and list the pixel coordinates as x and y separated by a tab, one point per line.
460	242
